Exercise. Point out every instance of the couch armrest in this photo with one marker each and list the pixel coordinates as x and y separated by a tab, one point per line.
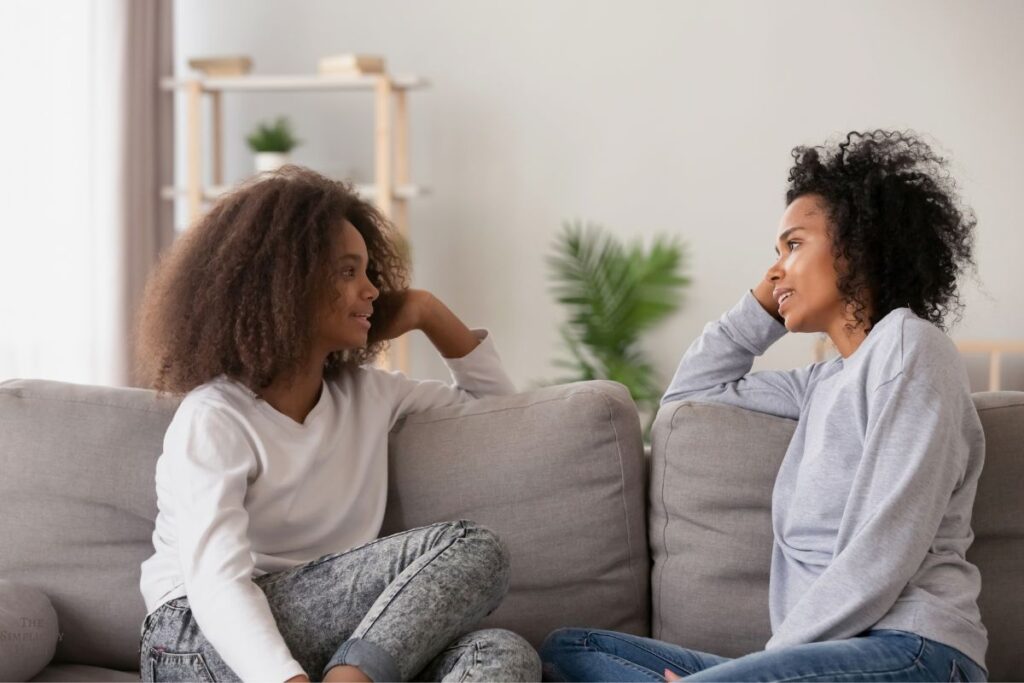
558	474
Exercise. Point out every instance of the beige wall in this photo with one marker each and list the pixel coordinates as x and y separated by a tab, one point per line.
647	117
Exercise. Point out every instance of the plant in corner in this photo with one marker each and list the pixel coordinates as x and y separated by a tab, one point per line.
272	143
615	293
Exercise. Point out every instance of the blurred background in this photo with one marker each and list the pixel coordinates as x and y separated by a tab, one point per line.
648	118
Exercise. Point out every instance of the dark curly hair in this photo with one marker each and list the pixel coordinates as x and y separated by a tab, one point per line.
238	293
895	220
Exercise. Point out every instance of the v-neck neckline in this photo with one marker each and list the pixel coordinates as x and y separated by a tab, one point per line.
287	420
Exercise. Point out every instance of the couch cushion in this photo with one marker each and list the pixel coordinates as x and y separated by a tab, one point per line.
712	472
81	672
558	473
28	631
998	523
79	503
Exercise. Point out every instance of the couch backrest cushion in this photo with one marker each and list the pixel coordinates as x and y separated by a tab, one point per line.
712	472
78	502
556	472
998	523
559	474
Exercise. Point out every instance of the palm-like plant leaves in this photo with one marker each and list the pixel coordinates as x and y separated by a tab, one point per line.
613	294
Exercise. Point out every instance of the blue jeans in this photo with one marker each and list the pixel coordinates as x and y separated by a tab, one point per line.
881	655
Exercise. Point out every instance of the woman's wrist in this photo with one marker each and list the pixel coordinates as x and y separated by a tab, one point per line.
444	329
427	311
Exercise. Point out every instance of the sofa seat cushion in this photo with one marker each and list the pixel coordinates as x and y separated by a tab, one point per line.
84	673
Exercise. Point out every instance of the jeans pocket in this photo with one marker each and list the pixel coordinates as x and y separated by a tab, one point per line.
178	666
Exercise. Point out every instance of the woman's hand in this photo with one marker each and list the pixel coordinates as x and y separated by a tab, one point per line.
404	312
301	678
764	293
670	676
418	309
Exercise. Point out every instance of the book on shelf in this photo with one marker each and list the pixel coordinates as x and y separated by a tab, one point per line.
222	66
351	65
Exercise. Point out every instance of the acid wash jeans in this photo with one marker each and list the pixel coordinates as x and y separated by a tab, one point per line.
399	608
574	654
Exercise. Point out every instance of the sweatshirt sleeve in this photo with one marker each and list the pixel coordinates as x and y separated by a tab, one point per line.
479	373
915	456
210	465
716	367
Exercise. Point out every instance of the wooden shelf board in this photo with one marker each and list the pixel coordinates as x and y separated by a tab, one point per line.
302	82
367	190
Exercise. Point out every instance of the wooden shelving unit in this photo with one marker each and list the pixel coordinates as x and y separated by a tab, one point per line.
392	188
993	349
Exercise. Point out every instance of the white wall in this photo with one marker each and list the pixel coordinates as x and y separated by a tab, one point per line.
645	116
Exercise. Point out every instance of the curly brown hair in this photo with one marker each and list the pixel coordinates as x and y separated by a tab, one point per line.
237	294
896	219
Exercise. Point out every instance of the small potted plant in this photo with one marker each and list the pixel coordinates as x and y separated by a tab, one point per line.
272	143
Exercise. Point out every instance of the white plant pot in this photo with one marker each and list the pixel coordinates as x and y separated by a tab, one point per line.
270	161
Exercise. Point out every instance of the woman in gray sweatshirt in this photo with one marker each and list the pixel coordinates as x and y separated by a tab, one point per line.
871	509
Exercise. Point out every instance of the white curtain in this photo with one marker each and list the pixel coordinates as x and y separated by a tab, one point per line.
88	142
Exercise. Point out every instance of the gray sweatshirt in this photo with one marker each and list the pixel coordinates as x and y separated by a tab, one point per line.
871	509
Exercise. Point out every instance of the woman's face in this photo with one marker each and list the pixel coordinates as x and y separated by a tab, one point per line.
807	268
344	320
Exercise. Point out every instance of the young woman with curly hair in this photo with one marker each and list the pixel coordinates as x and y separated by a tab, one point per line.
272	483
871	507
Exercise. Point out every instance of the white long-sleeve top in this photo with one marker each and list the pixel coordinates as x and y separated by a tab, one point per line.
243	490
872	503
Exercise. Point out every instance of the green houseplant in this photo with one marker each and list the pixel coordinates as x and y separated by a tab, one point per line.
614	293
272	143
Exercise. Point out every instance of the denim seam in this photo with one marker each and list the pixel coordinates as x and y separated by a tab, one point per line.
628	664
407	581
476	662
199	658
340	654
586	644
375	661
391	599
333	556
146	637
873	672
179	608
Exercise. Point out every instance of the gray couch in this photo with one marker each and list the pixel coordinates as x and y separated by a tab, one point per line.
677	547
